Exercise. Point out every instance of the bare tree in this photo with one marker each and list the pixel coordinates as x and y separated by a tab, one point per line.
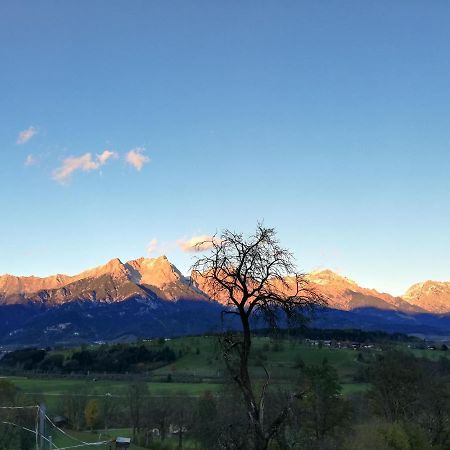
255	277
136	395
73	403
182	417
158	415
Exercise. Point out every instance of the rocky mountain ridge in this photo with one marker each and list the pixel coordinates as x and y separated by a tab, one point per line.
432	296
345	294
111	282
158	278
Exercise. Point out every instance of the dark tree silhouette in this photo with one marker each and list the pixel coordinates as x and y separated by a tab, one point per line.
255	277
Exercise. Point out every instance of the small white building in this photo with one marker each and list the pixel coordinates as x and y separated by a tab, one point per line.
123	443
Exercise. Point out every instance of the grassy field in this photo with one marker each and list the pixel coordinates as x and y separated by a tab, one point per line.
77	437
279	357
60	386
52	391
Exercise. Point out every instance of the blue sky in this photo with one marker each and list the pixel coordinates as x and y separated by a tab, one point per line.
328	120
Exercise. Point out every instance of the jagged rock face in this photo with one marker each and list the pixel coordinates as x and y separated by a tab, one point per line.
161	276
114	281
12	285
343	293
155	271
114	268
432	296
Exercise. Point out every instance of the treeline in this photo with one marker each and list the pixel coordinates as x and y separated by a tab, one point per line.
118	358
15	424
352	335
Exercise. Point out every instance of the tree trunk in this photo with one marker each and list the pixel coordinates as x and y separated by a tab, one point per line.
162	430
260	440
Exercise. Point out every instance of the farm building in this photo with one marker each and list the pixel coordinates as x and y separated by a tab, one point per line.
123	443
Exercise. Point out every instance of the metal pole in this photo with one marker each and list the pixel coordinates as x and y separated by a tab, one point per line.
50	443
42	413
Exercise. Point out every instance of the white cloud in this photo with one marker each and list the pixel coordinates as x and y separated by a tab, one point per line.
71	164
196	243
85	163
103	157
26	135
136	158
30	160
152	246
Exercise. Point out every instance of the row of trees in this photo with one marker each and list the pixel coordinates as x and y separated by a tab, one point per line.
118	358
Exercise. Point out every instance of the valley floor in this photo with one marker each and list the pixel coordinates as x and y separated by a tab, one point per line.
197	370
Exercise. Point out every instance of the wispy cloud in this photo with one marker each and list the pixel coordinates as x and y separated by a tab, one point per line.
30	160
152	246
85	163
136	158
196	243
26	135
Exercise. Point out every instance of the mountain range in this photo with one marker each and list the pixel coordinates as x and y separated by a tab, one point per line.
149	277
150	297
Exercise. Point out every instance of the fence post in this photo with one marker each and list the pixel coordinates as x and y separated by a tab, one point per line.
42	413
